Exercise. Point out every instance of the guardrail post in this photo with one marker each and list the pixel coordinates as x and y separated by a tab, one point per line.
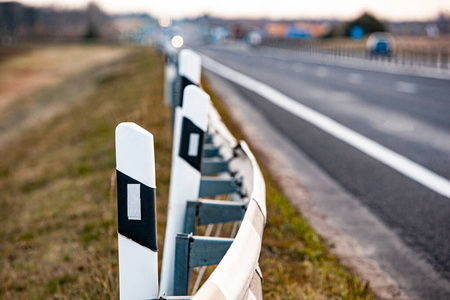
138	256
181	273
191	217
190	128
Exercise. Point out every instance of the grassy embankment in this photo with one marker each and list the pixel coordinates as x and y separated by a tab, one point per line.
58	227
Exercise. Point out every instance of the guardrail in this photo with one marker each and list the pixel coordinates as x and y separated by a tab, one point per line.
435	59
215	180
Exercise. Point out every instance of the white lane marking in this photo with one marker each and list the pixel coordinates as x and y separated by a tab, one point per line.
355	78
322	72
405	87
390	158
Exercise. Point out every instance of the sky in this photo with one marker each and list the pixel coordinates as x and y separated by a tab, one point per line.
395	10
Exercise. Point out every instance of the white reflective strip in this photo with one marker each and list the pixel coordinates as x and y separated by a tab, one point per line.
194	140
384	155
134	201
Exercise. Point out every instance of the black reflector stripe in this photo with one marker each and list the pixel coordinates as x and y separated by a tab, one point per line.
136	222
184	83
191	146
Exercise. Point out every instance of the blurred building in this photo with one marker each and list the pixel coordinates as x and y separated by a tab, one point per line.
439	26
296	30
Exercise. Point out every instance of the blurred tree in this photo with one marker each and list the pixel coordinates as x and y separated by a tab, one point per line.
336	30
443	23
20	22
367	22
91	32
96	21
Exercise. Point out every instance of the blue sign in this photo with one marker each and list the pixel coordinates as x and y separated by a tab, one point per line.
357	32
298	33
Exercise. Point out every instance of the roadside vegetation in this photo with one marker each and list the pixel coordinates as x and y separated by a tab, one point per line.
58	227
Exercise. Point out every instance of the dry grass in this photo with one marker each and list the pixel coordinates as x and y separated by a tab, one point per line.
46	66
58	235
7	53
58	228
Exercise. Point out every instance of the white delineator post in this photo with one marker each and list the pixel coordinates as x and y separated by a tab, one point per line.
190	127
189	70
138	256
170	74
190	65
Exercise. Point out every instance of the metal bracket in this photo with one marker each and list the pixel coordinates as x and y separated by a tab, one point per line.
208	138
212	212
210	150
214	167
210	187
196	251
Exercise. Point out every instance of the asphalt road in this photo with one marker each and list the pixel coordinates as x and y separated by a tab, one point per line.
407	114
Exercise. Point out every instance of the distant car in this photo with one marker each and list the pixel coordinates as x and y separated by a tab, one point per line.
380	43
254	38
